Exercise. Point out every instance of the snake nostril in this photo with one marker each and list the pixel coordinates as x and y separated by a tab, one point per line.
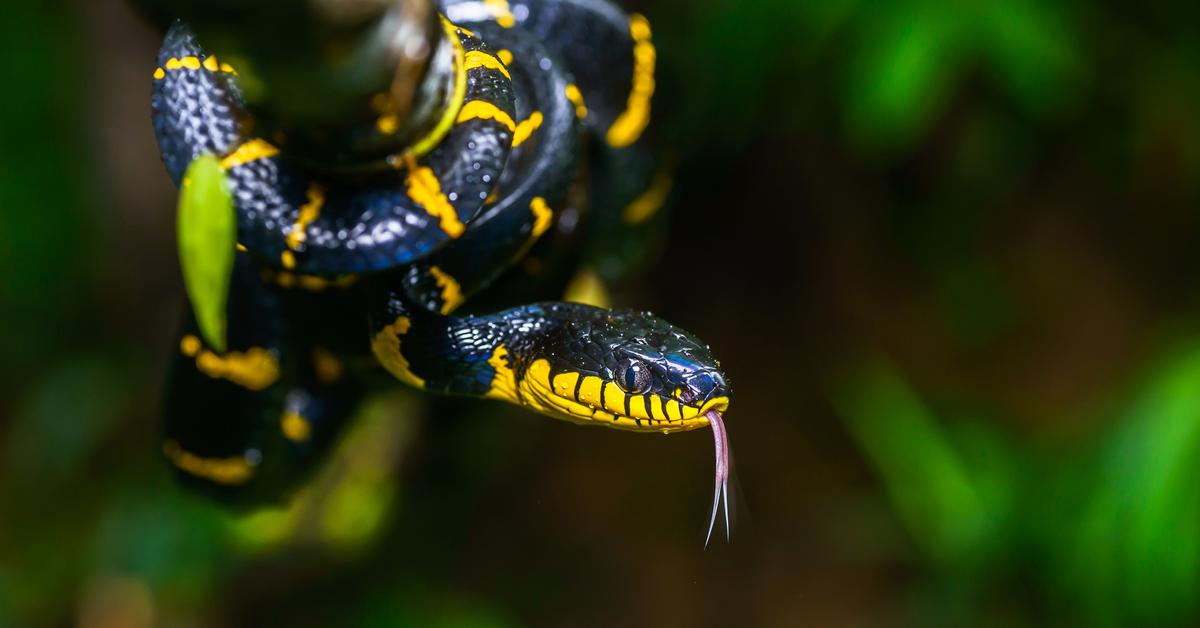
701	386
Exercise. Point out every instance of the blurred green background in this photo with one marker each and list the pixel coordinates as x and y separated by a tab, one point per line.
948	253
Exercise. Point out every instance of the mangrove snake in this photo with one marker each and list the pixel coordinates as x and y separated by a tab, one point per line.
399	243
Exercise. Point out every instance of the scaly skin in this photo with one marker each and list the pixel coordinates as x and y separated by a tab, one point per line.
617	368
405	243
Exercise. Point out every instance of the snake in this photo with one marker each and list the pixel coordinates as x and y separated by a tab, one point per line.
384	263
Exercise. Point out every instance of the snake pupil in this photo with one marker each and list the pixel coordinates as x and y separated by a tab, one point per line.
634	376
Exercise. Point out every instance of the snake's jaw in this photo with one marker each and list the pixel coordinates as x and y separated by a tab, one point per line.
721	479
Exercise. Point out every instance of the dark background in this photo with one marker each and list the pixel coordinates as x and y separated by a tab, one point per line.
948	253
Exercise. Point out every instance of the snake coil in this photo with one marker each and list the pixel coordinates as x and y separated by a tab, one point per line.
549	107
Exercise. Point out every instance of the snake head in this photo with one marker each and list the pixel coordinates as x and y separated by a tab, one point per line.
675	366
621	368
630	370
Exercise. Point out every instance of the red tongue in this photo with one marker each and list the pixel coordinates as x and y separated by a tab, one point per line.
721	445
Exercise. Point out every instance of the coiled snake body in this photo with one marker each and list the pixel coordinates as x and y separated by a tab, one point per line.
379	259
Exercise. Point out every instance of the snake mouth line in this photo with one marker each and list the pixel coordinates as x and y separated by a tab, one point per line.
592	400
720	404
563	407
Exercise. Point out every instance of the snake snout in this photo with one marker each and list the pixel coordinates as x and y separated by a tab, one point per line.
704	386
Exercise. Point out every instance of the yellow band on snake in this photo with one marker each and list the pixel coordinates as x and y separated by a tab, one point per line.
427	143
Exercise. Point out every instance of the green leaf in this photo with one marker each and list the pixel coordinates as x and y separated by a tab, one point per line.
207	233
923	474
901	75
1137	550
1034	49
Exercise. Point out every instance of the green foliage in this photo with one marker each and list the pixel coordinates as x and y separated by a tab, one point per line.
46	216
905	66
53	431
1138	553
890	68
382	608
207	232
913	54
1117	528
959	173
930	486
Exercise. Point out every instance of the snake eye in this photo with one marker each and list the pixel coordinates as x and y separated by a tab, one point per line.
632	376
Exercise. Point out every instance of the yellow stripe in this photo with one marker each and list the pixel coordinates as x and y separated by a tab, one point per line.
312	283
189	345
425	189
543	216
329	369
564	384
250	151
540	372
487	111
637	407
501	12
587	287
210	63
504	382
538	396
656	409
563	406
629	125
386	347
387	124
557	400
673	412
589	391
481	59
255	369
295	427
426	144
614	399
308	213
220	470
576	98
526	128
648	202
452	295
601	415
191	63
721	404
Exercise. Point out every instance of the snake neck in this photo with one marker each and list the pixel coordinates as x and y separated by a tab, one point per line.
619	368
479	356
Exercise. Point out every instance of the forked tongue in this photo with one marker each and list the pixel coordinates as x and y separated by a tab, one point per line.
720	484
